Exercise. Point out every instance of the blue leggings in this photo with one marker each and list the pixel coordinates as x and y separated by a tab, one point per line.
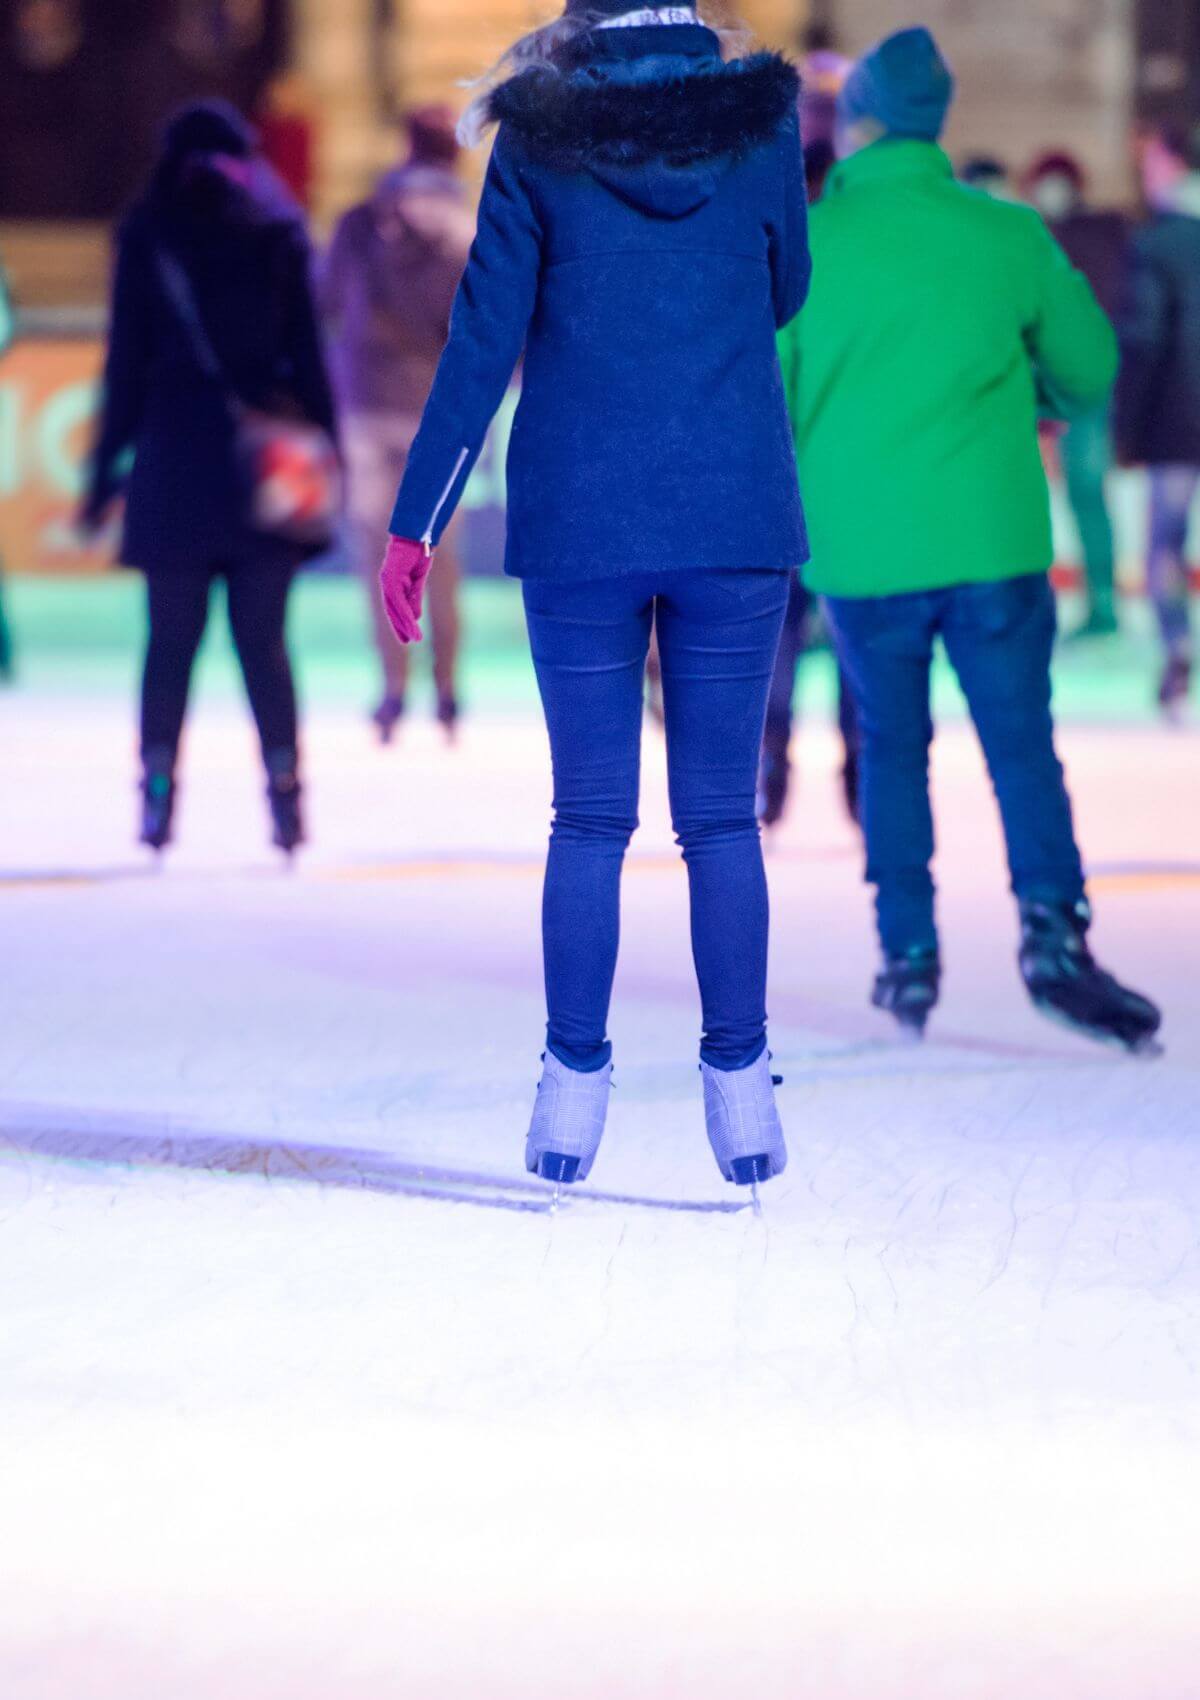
717	633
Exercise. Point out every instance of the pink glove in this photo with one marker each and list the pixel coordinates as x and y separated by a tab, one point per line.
402	584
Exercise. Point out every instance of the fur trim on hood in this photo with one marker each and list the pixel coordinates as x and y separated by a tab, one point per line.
573	122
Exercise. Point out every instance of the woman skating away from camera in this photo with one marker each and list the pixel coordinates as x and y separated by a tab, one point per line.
213	316
642	234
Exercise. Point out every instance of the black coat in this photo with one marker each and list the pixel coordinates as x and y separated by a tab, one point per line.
1158	391
247	259
1097	244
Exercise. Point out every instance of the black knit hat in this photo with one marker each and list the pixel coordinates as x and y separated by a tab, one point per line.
208	126
203	127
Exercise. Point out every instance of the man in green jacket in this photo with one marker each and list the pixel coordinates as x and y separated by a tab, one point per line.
939	320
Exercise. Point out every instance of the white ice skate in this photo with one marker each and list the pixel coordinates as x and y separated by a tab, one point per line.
568	1122
744	1129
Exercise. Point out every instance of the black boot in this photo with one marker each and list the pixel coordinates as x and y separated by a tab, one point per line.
1175	684
447	714
388	716
850	786
908	987
285	794
774	779
158	798
1065	982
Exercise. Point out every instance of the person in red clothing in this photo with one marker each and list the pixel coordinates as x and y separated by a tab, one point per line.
287	135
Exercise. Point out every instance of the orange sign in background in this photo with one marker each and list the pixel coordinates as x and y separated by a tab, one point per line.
47	408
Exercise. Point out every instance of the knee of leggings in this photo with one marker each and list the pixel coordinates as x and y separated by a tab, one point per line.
175	644
613	828
265	650
693	832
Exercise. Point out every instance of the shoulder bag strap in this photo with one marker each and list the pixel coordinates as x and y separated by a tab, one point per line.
180	294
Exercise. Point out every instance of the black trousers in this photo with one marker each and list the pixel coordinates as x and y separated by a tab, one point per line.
178	614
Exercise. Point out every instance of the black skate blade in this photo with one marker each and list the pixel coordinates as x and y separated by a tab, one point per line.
555	1166
910	1023
749	1171
1147	1046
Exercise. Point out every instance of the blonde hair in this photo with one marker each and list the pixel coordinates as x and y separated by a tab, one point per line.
541	47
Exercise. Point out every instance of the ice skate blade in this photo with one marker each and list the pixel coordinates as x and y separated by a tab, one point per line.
1146	1048
555	1166
748	1171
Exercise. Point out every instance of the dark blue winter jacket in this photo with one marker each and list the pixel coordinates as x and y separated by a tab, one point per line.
642	235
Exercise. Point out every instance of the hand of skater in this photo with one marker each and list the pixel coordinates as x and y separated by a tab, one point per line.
402	585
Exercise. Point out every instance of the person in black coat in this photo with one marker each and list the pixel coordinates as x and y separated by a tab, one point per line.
1096	241
216	218
1158	391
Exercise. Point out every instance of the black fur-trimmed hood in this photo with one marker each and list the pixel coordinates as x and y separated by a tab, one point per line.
574	121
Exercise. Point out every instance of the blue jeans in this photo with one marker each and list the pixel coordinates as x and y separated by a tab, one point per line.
999	638
1172	492
717	634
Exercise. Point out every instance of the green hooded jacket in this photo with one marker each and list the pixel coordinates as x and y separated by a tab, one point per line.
939	322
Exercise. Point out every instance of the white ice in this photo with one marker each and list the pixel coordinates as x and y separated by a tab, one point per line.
304	1393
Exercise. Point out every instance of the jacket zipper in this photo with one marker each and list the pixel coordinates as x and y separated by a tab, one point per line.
427	540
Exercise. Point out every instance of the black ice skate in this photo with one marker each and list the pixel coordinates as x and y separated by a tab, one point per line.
158	800
447	715
1066	983
284	795
387	717
908	987
1175	684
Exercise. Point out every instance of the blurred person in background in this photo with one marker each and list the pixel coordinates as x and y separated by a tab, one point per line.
1096	241
936	313
823	71
7	335
387	288
641	236
991	176
212	314
1158	394
286	124
775	768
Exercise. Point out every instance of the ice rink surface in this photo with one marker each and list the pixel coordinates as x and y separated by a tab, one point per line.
304	1393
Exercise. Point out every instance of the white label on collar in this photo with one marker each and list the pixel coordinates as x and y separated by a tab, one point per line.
651	16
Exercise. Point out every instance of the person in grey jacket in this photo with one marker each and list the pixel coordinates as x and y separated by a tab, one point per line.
387	288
